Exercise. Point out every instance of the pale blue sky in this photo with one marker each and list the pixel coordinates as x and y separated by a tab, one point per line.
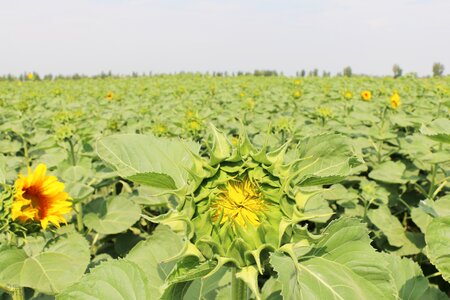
90	36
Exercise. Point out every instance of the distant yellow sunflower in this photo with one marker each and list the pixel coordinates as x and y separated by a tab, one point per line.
366	95
395	100
240	203
30	76
348	95
40	198
109	96
297	94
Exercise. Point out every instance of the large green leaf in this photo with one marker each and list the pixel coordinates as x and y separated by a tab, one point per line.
115	279
48	269
164	161
153	256
438	241
409	280
111	215
428	209
397	236
389	172
324	159
438	130
341	265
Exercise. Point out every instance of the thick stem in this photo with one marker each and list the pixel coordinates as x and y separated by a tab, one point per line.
380	147
433	177
72	152
238	287
16	292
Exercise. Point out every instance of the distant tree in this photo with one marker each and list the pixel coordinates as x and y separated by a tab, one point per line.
397	71
48	77
303	73
314	73
438	69
347	71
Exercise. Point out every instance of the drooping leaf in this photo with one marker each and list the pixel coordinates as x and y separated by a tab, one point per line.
153	256
342	265
114	279
111	215
409	280
50	270
438	241
391	227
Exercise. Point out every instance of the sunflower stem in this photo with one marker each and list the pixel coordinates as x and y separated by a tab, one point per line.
79	211
238	287
433	177
16	292
72	152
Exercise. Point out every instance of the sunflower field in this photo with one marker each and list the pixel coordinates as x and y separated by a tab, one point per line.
199	187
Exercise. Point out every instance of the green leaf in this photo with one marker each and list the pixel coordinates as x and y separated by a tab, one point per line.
409	279
221	148
78	191
132	154
428	209
438	130
438	241
389	172
157	180
215	286
393	230
342	265
115	279
2	168
154	254
190	268
49	271
111	215
324	159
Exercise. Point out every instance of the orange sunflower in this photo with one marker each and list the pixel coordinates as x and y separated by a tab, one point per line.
109	96
366	95
40	198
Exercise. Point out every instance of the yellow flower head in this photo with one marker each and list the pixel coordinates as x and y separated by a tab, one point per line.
297	94
30	76
109	96
395	100
194	125
324	112
297	81
40	198
240	203
366	95
348	95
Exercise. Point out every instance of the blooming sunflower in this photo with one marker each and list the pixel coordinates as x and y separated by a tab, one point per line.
40	198
297	94
109	96
240	203
366	95
395	100
348	95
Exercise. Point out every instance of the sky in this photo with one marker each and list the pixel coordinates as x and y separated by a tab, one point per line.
166	36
